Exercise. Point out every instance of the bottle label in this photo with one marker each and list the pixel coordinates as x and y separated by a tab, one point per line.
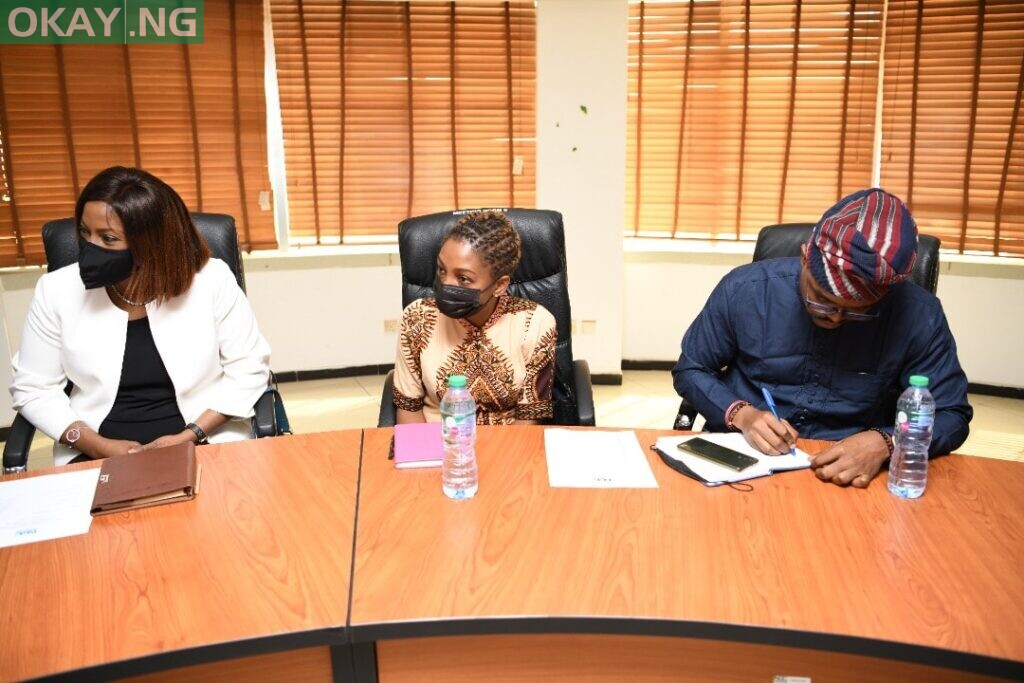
452	425
921	419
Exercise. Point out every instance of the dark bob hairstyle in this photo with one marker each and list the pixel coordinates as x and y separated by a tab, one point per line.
166	248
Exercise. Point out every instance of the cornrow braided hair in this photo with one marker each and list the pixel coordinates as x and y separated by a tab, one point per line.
491	235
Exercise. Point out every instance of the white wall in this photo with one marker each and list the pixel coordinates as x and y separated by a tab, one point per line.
985	308
581	159
664	293
326	312
6	371
16	286
984	303
329	311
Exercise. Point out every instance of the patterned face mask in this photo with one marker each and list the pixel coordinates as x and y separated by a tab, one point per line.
458	302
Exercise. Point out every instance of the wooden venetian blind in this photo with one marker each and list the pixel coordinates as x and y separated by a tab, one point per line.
7	234
953	143
743	114
392	109
192	115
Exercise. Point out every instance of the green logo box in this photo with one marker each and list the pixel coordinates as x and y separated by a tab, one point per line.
101	22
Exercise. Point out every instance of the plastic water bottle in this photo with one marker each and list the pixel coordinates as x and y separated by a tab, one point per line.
459	475
915	414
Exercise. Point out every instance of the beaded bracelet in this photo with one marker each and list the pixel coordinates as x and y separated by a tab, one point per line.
730	414
885	435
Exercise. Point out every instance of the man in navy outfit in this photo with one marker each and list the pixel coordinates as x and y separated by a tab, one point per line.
834	335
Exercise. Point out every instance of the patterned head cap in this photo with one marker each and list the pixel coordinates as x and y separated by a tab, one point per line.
863	245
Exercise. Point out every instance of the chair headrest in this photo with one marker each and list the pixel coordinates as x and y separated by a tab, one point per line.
541	232
60	240
784	240
540	276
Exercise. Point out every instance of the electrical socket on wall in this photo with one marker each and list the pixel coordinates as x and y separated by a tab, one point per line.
584	327
390	326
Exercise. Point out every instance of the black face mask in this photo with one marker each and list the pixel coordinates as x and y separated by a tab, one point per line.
101	267
457	302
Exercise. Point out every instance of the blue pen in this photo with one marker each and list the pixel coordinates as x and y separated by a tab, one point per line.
771	406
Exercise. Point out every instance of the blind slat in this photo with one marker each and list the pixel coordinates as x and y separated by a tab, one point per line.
777	121
162	108
412	108
953	75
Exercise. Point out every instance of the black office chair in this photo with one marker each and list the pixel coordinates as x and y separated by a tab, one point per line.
60	240
540	276
780	241
784	240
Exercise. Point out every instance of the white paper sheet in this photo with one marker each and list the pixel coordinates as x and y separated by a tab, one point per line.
601	460
46	507
715	473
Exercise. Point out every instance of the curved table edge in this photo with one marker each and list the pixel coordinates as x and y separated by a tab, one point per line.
758	635
203	654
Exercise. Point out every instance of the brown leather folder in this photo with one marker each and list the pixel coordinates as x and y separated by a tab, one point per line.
153	477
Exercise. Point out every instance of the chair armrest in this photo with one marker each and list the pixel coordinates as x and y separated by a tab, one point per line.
264	422
387	415
686	416
584	392
18	444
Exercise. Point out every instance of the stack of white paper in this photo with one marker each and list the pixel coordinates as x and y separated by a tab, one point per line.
596	459
46	507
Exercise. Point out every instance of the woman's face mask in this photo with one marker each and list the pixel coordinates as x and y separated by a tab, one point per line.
101	267
458	302
457	262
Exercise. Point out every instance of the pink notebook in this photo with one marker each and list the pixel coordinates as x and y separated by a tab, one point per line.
418	445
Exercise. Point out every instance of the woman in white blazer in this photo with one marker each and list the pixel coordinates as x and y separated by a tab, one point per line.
156	336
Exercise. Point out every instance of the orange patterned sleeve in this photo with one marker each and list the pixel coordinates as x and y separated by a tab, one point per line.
539	347
417	324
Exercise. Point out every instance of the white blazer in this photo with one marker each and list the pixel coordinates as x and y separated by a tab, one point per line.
207	338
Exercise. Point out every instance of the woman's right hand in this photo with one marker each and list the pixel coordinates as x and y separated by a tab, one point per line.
93	445
108	448
98	447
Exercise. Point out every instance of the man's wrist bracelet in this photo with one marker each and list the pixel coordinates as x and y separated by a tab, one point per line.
730	414
885	435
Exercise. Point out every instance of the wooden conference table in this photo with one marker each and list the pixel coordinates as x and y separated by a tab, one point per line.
259	562
309	557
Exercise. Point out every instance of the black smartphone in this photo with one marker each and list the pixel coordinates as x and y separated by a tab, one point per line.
720	455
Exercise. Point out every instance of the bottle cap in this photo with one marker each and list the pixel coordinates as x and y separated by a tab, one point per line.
918	381
459	381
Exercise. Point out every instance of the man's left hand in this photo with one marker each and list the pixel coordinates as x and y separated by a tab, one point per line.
854	460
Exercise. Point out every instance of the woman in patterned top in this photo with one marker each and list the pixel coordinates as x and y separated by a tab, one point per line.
504	345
